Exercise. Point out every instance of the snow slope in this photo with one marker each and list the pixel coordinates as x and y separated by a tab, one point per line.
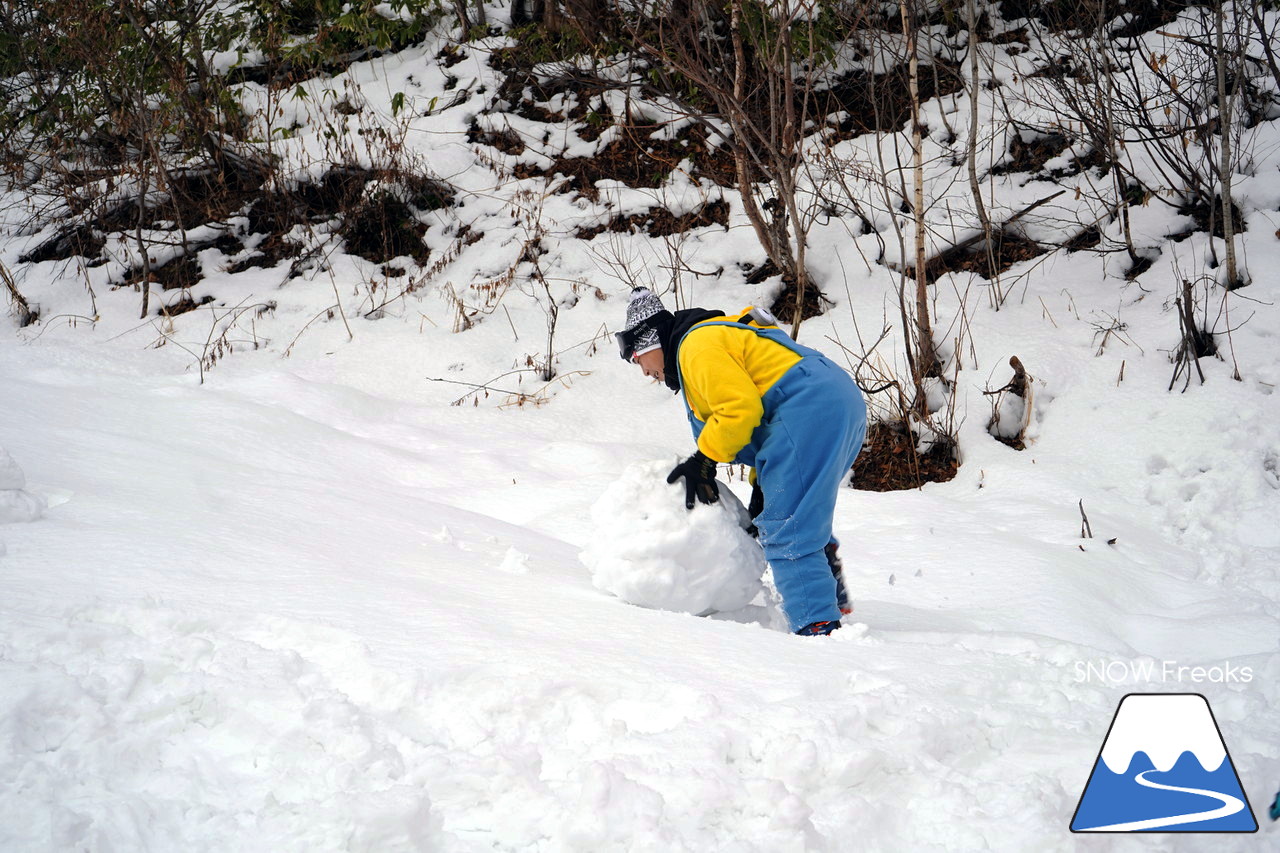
281	612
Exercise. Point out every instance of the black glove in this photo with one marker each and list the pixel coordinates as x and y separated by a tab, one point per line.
755	507
699	472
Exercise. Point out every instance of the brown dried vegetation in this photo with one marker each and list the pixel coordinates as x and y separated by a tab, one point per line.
660	222
889	462
1007	248
879	102
637	160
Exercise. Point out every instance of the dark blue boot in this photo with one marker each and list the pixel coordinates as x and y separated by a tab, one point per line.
837	571
818	629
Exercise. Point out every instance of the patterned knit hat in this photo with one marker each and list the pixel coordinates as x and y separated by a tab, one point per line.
640	336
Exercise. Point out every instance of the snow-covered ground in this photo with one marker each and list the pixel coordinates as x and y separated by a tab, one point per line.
309	605
290	609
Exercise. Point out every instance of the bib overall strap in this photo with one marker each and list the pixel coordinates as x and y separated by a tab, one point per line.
772	333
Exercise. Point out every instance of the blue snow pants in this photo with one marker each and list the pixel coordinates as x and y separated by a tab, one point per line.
814	423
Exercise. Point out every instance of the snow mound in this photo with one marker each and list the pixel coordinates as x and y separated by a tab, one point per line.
11	476
647	549
15	504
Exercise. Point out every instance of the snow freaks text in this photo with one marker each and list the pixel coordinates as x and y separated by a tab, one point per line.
1129	671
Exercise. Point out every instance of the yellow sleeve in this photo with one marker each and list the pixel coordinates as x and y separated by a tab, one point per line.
720	390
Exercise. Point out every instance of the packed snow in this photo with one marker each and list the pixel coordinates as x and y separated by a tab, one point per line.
648	549
330	593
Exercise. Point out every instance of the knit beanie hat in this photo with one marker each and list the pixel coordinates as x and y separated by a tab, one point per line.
643	306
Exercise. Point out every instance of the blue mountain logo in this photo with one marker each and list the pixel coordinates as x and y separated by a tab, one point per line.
1164	767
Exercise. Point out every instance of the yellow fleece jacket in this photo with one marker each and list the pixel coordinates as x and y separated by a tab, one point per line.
725	373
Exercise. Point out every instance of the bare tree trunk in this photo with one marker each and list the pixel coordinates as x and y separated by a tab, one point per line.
146	262
464	21
972	159
927	359
1225	168
890	203
739	122
1266	39
144	168
790	143
1107	109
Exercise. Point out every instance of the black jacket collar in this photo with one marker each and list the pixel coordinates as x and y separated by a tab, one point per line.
673	332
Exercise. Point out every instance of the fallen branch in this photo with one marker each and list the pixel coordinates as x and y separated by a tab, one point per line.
25	315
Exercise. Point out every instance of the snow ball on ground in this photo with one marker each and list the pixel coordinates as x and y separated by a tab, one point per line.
11	476
15	504
647	549
515	562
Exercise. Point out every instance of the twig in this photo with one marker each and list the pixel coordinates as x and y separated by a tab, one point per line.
289	349
1086	531
167	338
1046	311
486	386
561	378
509	322
48	324
863	360
341	313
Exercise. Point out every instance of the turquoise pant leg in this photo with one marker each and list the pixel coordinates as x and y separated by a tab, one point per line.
813	432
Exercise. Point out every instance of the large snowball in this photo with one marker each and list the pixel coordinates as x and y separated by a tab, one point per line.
651	551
